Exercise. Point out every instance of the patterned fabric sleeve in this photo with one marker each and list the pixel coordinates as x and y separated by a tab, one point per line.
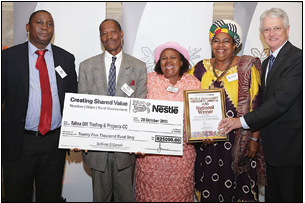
255	88
249	98
198	70
255	102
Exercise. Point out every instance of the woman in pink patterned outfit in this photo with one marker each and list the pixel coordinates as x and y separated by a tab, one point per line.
162	178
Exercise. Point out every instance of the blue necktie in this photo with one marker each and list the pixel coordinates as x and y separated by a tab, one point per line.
112	78
271	60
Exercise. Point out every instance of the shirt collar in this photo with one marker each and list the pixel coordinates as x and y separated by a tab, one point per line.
276	52
33	49
109	56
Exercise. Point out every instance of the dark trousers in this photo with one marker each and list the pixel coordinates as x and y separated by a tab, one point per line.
284	184
40	165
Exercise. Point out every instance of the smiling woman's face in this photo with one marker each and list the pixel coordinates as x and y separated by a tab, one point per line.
171	63
223	46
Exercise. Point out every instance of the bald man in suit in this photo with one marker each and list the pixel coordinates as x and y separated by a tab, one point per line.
112	172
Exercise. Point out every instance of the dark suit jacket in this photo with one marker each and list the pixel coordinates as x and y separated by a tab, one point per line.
15	93
280	117
92	80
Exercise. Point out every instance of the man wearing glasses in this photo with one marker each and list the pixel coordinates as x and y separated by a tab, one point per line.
280	116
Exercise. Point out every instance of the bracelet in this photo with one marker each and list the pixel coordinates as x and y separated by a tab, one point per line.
254	139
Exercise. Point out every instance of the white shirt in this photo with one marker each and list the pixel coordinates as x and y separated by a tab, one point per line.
108	61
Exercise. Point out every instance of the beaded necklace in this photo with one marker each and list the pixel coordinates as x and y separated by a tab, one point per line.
224	72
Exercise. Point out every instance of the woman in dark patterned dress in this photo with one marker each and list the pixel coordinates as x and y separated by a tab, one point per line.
230	170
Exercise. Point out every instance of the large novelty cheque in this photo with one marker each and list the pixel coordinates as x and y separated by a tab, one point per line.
120	124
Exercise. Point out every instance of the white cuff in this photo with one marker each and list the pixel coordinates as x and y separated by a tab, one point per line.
243	123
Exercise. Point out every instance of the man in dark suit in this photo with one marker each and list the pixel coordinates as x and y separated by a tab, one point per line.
112	172
280	117
29	139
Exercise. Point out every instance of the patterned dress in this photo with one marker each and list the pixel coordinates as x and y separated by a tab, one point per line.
161	178
215	180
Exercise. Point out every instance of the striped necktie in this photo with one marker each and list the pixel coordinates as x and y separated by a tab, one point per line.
112	78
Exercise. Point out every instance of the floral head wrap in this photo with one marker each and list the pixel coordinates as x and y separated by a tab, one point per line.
227	26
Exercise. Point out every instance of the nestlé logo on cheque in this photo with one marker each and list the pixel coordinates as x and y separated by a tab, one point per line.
165	109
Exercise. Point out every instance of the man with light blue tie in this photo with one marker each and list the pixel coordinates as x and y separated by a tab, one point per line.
280	117
35	76
105	74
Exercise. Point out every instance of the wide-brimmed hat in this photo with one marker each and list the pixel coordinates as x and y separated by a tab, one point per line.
171	45
227	26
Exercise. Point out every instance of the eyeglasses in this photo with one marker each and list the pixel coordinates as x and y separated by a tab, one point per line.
275	29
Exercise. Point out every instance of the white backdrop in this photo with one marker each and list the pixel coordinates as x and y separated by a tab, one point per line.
156	23
77	26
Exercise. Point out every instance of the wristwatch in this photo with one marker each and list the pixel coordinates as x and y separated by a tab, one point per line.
254	139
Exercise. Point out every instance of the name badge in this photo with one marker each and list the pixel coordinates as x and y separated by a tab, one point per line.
232	77
61	72
128	90
172	89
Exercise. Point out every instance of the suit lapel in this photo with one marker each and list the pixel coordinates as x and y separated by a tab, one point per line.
58	61
100	74
124	75
264	68
23	66
275	68
278	60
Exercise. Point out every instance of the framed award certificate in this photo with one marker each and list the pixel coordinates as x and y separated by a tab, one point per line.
204	110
